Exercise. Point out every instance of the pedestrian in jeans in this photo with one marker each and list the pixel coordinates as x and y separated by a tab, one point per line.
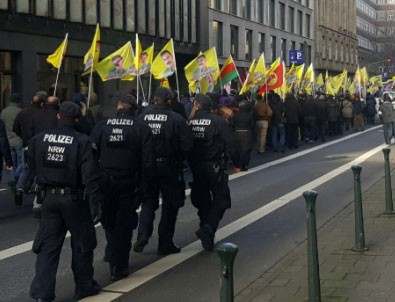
8	116
386	112
262	115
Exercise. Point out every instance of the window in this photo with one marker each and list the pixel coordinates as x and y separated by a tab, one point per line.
130	17
118	13
282	16
260	11
59	10
247	9
308	29
90	12
273	47
234	41
248	45
291	19
4	5
216	4
329	49
218	37
272	10
105	13
261	43
308	3
283	47
292	45
341	52
308	54
76	11
233	7
323	48
300	22
22	6
42	8
336	51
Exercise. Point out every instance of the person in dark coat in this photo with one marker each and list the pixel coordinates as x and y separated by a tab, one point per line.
310	119
370	109
277	129
292	119
243	123
5	151
46	119
333	116
358	108
322	116
23	127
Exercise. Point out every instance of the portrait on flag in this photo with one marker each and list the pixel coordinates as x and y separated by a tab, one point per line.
164	64
118	64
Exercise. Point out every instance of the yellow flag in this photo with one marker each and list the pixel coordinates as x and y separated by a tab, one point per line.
146	58
204	70
364	76
260	70
248	82
91	58
138	53
164	64
56	58
293	77
328	85
320	81
118	64
339	81
308	79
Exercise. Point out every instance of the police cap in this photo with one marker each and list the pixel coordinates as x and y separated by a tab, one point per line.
69	110
163	93
130	100
204	100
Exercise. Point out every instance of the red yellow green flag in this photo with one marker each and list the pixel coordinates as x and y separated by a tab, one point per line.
227	73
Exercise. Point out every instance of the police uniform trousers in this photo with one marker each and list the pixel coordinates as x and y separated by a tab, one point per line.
210	192
171	185
119	218
59	213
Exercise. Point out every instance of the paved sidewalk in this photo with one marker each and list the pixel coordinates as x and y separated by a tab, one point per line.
345	275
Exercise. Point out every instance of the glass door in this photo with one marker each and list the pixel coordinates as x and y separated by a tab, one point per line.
5	88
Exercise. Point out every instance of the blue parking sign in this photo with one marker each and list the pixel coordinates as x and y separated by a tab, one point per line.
296	57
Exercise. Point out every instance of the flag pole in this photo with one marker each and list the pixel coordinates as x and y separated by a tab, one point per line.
174	59
89	87
60	65
137	69
150	79
142	88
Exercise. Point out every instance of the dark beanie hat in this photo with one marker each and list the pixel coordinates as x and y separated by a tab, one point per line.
15	98
129	100
204	100
69	110
164	93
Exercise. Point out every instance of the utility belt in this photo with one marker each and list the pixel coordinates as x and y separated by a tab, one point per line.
167	160
76	194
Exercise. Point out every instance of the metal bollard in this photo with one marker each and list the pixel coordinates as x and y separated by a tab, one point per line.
359	229
310	197
227	253
389	208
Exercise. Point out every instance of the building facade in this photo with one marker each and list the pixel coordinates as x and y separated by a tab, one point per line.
336	45
376	34
32	29
245	29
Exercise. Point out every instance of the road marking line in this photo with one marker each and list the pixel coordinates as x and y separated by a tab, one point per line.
155	269
25	247
1	190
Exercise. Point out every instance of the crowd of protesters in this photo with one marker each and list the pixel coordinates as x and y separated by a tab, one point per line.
261	124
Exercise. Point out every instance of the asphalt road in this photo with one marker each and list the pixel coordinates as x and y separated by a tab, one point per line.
261	243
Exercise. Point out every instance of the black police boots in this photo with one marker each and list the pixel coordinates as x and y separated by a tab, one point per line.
18	197
206	236
118	273
168	249
140	244
44	300
81	293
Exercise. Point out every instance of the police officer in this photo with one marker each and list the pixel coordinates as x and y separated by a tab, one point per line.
173	140
64	166
125	152
209	191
